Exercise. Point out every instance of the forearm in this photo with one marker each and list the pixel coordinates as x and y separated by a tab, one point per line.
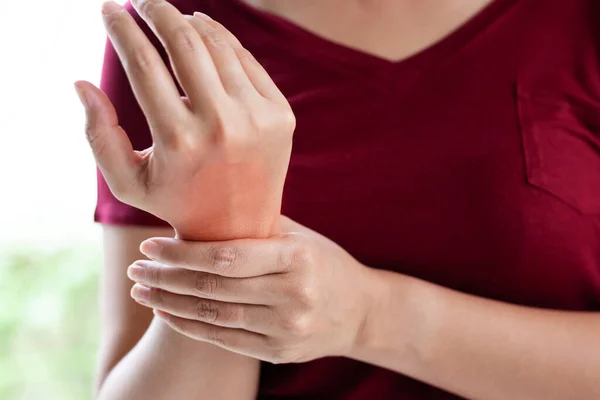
479	348
223	179
167	365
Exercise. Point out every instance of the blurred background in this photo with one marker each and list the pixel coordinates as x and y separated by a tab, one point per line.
49	247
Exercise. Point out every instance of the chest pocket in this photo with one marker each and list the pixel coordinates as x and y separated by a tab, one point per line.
561	142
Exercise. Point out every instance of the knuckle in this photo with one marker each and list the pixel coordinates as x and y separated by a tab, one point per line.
154	276
215	336
141	61
222	125
288	119
275	121
286	256
114	22
179	130
298	324
184	37
92	137
207	311
306	293
298	253
189	146
236	316
265	121
219	126
244	55
214	38
148	7
302	325
225	259
205	284
178	136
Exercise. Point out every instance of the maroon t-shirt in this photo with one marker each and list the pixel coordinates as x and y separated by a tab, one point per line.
474	164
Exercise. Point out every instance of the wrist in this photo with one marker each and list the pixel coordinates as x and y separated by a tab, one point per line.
376	299
397	323
229	230
229	226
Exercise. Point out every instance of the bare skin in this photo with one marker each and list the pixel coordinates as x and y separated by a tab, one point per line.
474	347
389	29
196	150
125	322
298	296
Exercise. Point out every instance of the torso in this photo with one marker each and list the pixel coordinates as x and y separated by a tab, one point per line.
472	161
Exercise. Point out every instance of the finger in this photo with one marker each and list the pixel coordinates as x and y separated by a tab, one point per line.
259	77
150	79
259	290
237	340
110	144
233	77
190	58
230	315
235	258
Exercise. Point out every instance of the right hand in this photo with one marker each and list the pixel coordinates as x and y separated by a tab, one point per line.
220	155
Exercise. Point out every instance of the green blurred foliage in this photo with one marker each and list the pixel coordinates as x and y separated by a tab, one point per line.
48	323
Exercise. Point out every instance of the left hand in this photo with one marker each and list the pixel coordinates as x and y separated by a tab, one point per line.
294	297
230	136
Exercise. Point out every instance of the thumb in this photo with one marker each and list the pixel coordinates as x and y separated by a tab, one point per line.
112	149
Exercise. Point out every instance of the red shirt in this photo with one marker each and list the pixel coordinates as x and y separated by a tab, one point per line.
474	164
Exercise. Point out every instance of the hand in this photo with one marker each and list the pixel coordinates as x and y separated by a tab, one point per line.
291	298
220	154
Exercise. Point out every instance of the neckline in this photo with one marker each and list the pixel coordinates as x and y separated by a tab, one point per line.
312	45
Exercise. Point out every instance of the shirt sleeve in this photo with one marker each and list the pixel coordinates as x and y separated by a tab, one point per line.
115	84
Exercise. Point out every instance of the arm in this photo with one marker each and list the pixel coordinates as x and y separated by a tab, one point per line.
480	348
164	364
123	322
206	178
324	303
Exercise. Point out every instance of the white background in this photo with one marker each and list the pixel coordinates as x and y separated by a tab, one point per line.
47	172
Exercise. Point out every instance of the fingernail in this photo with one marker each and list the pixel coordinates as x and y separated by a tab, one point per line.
140	293
110	7
151	248
136	271
81	94
202	16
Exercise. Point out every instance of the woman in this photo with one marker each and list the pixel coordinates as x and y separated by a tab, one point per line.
446	152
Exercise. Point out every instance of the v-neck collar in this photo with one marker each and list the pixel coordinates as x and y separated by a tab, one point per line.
299	41
301	38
